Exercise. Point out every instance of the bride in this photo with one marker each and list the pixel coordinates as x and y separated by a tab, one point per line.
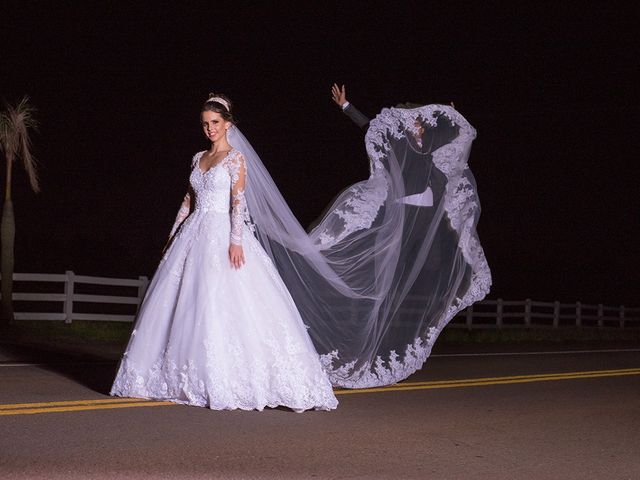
218	327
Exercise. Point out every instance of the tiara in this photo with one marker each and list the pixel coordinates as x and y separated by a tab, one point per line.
219	100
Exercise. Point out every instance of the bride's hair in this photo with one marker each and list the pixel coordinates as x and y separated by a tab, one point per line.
224	109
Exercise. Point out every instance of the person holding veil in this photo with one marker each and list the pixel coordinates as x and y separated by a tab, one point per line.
424	188
405	239
218	327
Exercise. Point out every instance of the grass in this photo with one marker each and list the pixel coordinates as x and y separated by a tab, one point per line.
108	340
539	334
118	332
60	332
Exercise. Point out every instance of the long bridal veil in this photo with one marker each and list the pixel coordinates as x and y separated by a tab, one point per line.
395	257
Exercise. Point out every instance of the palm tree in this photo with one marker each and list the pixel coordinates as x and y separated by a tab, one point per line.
15	125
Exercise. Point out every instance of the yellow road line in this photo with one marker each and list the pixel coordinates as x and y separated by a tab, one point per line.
474	382
536	375
9	406
29	411
110	403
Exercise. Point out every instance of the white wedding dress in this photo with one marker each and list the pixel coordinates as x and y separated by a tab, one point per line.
210	335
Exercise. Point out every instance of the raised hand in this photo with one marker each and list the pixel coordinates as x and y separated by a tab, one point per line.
339	95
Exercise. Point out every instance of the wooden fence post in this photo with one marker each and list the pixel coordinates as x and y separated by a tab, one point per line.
556	314
600	315
621	316
499	308
578	314
469	317
68	297
527	312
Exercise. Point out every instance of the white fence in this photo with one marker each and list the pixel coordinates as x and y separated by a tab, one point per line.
71	297
485	314
530	313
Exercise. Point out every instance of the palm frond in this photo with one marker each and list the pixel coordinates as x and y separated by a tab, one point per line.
4	129
26	113
8	135
19	120
28	160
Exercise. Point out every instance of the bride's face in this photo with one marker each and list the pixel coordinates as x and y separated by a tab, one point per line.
213	125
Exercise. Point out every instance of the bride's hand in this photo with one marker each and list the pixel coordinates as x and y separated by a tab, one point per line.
236	256
339	95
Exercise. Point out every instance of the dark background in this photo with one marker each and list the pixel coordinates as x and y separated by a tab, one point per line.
552	90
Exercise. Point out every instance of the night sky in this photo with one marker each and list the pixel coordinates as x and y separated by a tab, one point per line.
552	91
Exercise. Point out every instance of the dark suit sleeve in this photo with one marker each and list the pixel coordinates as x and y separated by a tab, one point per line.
357	116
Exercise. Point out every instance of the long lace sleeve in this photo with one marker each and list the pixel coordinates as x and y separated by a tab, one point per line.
183	213
239	211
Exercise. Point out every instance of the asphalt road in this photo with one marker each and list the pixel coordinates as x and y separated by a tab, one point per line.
563	415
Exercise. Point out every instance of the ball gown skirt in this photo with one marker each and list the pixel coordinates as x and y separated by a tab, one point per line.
210	335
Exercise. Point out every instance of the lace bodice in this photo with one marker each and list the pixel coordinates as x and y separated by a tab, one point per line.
219	189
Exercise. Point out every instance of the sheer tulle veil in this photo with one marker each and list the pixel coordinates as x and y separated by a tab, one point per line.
393	259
